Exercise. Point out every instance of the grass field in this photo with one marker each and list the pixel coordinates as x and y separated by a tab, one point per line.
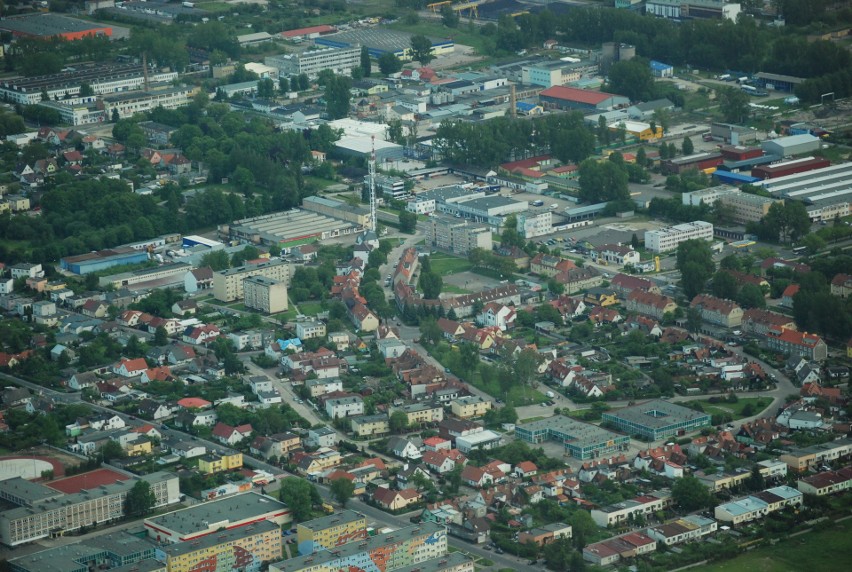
461	35
452	289
758	404
309	308
444	264
825	550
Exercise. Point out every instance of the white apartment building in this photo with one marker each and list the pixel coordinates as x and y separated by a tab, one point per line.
666	239
312	62
457	235
228	284
307	329
129	103
534	224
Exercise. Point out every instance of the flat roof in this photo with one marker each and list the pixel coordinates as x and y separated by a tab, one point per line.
337	519
290	225
87	481
657	414
485	203
578	95
215	539
450	561
573	431
381	39
233	508
26	490
49	25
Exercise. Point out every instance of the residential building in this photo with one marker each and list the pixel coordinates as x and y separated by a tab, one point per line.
345	406
247	548
228	284
691	527
370	425
215	516
743	208
544	535
800	344
656	419
549	265
412	546
420	413
582	440
758	505
533	224
307	329
667	239
618	254
470	407
216	462
265	294
329	532
621	512
228	435
457	235
43	511
803	459
321	437
718	311
321	386
650	304
826	483
612	550
761	322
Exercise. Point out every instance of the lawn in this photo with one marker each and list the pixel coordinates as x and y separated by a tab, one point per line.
309	308
452	289
758	404
445	264
461	35
824	550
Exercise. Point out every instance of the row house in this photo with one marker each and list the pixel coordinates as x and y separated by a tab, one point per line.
549	265
650	304
718	311
760	322
624	284
798	344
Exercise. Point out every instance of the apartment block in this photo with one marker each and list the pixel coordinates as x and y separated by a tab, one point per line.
246	549
422	413
667	239
265	294
368	425
228	284
43	511
718	311
410	546
470	406
307	329
457	235
329	532
744	207
311	62
215	463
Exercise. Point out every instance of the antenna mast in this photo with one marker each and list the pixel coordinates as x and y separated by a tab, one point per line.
373	185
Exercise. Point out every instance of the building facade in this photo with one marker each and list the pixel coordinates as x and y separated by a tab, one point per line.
228	284
656	419
667	239
312	62
245	549
457	235
265	294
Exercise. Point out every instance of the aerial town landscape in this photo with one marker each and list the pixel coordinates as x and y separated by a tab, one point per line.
425	286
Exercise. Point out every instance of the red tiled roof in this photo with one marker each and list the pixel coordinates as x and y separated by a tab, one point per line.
577	95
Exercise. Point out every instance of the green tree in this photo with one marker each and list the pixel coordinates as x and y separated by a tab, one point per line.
813	242
217	260
304	82
686	147
449	17
140	499
632	79
431	284
751	296
690	494
421	49
724	286
283	85
389	64
693	319
161	336
733	103
398	422
603	181
342	490
337	96
366	62
299	495
696	265
266	88
111	450
407	222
